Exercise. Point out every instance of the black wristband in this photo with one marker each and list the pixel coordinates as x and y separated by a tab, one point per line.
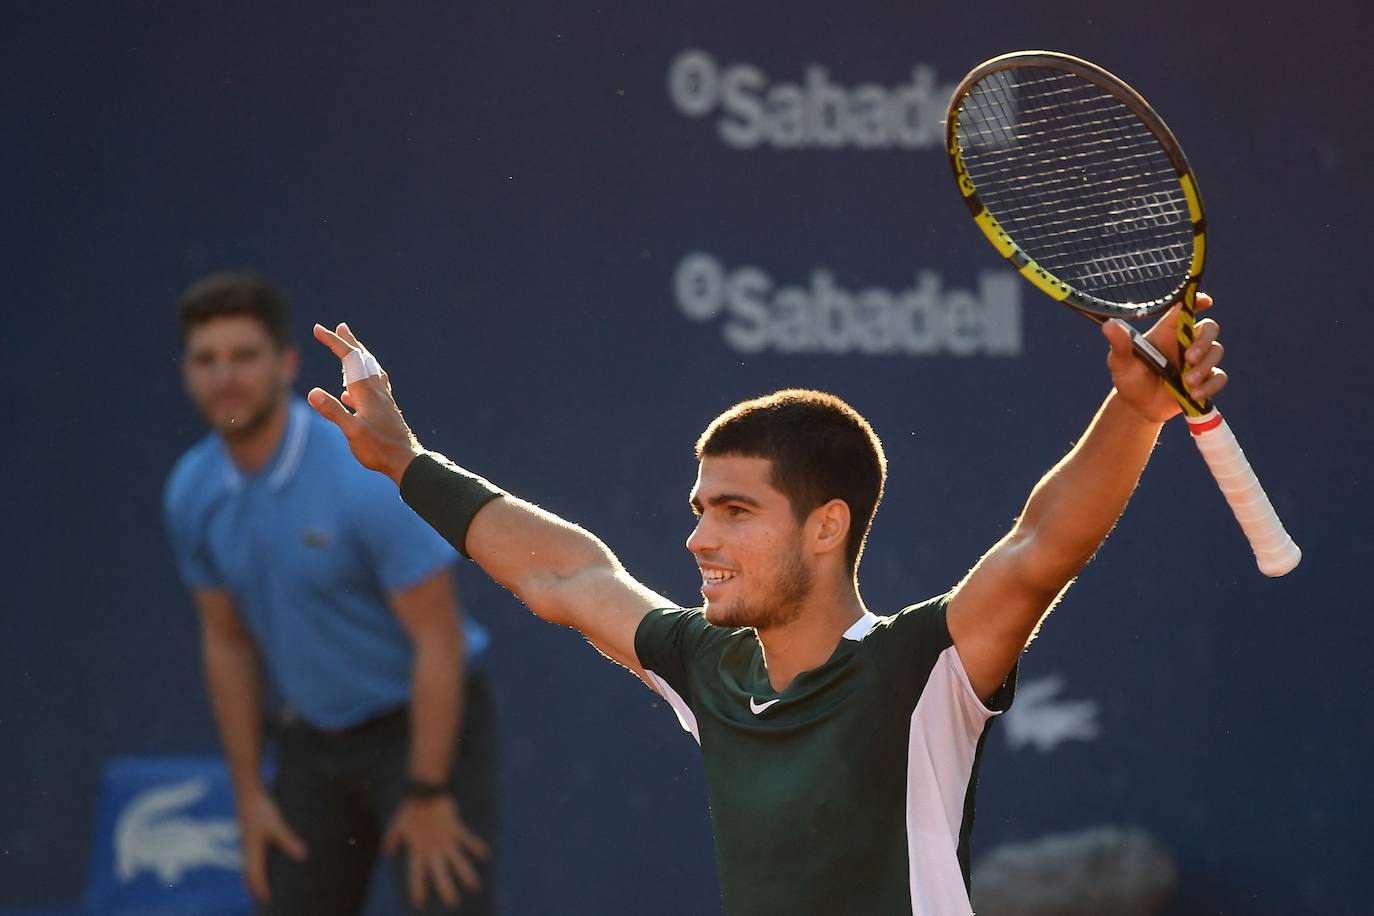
422	789
445	496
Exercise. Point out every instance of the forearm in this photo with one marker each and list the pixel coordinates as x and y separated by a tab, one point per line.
1075	505
234	685
436	706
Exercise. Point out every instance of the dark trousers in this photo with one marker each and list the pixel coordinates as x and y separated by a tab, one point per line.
338	790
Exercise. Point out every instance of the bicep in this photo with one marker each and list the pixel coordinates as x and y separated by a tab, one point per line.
219	621
428	610
563	573
606	605
995	610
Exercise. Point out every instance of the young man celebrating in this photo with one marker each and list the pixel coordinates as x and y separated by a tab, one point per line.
306	565
840	747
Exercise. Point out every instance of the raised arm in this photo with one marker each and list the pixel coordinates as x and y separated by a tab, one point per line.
562	572
996	608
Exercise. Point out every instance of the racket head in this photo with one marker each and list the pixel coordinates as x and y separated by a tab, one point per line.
1077	182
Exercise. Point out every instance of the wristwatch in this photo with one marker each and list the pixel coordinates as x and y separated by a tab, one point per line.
421	788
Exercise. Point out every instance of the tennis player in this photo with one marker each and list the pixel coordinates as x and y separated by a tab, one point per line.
841	747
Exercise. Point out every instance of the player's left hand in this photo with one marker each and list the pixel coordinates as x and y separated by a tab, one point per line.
1142	388
439	847
376	431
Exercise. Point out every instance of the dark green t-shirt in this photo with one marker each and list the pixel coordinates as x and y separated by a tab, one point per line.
852	790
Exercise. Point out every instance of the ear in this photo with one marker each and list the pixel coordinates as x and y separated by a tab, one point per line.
291	364
829	526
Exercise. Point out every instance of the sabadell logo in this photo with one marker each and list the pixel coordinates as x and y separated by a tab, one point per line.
816	112
822	316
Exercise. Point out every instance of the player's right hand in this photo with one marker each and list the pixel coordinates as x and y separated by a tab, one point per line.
1142	388
264	827
376	432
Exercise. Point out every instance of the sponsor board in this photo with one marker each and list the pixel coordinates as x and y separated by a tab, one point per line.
815	112
822	315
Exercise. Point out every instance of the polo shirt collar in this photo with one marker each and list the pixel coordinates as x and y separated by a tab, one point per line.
861	626
289	453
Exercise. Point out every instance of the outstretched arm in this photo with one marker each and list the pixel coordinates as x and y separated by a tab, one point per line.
996	608
562	572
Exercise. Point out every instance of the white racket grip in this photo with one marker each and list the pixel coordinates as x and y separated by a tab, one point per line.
1275	551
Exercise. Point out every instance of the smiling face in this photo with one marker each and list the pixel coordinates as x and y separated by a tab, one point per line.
236	374
748	545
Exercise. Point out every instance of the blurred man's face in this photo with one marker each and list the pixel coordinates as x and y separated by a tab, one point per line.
236	374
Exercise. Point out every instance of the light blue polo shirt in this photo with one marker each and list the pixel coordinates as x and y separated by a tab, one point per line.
309	548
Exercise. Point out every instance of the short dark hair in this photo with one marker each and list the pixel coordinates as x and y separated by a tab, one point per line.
235	293
820	448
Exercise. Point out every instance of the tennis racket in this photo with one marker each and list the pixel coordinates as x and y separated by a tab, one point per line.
1078	183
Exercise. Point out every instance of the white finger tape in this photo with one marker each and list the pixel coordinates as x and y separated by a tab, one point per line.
358	365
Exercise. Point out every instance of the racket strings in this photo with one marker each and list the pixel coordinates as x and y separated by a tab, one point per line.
1150	209
1061	177
1078	181
1060	170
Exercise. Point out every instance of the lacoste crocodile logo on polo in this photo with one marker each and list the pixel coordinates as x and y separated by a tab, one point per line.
756	707
315	538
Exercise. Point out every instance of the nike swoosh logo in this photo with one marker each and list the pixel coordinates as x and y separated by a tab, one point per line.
756	707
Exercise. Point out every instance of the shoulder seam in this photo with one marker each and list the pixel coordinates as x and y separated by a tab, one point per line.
873	663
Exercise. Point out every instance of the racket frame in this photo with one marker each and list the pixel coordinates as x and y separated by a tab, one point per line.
1275	552
1086	304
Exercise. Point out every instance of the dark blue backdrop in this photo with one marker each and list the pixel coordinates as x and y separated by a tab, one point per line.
500	198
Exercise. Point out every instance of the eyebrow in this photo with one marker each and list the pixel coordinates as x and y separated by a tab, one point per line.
722	498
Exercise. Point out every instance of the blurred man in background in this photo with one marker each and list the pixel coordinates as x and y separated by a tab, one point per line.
324	597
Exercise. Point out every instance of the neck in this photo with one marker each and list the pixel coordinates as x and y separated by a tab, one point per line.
807	642
252	449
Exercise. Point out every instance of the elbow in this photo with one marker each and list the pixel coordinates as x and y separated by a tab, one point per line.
547	598
542	598
1044	562
554	594
440	643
